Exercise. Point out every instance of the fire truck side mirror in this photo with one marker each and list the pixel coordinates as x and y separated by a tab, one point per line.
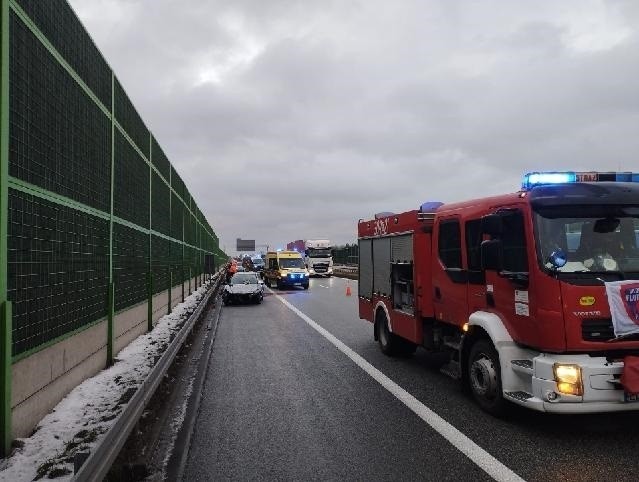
492	224
491	255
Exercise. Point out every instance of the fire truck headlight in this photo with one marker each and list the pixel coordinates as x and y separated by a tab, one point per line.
568	378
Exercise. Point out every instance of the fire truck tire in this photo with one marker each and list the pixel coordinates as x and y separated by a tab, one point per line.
389	343
408	348
484	377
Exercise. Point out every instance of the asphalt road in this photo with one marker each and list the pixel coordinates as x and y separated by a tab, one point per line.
282	402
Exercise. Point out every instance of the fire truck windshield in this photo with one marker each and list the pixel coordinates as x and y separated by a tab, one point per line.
594	239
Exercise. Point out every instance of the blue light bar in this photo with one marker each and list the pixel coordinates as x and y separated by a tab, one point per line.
623	177
540	178
545	178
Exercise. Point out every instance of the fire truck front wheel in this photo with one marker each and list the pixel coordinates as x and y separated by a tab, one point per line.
484	377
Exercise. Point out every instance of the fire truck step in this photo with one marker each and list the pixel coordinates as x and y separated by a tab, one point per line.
452	369
522	366
520	396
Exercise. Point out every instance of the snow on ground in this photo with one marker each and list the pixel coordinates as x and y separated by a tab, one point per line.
176	424
82	418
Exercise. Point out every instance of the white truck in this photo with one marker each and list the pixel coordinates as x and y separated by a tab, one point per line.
318	255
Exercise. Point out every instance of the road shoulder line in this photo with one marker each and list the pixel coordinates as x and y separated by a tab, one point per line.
464	444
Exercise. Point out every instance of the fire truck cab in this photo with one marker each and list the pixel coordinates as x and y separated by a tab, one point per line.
513	290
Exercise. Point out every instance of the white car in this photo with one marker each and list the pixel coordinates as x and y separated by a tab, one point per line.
243	287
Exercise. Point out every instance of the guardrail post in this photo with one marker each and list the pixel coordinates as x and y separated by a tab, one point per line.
149	279
190	276
149	294
170	289
110	330
182	268
111	295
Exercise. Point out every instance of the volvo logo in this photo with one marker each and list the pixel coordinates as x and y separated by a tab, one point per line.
586	314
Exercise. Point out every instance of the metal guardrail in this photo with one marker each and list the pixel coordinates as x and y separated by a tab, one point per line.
350	272
99	462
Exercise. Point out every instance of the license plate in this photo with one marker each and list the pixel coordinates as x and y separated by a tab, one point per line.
630	398
296	284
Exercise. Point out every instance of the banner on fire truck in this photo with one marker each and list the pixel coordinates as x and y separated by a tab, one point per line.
623	298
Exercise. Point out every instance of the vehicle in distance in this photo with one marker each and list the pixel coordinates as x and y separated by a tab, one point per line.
245	287
318	255
258	264
285	268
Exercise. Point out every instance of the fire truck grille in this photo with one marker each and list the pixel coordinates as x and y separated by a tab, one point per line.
598	329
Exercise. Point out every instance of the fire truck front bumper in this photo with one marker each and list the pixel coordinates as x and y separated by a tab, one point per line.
571	384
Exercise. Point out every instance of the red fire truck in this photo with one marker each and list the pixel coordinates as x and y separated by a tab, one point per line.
511	291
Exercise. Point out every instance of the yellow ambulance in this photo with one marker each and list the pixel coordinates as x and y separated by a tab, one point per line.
285	268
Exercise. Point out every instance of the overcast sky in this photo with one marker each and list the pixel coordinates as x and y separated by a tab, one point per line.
293	119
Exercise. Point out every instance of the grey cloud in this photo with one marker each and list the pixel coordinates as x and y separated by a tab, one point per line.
344	109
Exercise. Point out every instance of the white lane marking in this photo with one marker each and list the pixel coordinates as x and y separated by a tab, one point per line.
474	452
324	286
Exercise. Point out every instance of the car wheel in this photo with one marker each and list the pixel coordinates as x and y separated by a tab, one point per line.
279	284
484	377
306	286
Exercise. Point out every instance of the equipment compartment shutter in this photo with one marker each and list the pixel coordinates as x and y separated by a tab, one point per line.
402	248
382	264
365	268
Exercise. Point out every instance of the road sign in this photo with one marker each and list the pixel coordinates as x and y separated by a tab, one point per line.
245	244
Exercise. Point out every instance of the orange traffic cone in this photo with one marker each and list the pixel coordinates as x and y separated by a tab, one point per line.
348	290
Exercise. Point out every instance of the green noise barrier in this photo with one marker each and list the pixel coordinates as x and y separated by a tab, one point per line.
92	201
